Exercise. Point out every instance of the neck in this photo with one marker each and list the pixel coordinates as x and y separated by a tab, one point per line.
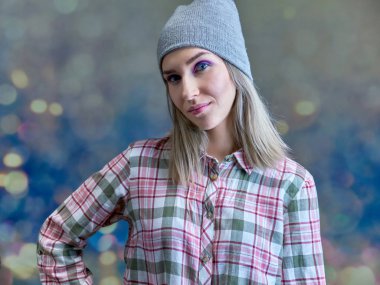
221	142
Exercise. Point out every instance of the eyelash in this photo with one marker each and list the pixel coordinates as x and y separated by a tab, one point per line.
172	78
201	63
198	67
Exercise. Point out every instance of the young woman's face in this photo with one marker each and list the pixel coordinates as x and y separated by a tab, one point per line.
200	86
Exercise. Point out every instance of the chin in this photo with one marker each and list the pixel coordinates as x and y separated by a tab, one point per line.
206	128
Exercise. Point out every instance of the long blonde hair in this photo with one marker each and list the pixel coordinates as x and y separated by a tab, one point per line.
253	132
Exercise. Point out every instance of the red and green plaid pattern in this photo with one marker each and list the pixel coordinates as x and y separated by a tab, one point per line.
235	225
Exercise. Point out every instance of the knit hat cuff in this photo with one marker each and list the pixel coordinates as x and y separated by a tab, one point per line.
208	40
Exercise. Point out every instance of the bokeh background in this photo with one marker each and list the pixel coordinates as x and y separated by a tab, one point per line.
79	81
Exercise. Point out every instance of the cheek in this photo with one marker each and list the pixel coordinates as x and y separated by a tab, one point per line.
171	95
222	86
174	100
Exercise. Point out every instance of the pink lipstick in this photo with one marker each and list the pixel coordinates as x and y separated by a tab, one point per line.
197	109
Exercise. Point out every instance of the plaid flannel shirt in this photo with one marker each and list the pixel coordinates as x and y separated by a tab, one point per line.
235	225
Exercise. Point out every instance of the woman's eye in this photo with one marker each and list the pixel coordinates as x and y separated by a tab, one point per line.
200	66
173	78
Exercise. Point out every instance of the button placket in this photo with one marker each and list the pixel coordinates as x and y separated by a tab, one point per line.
213	176
209	210
213	170
206	258
208	226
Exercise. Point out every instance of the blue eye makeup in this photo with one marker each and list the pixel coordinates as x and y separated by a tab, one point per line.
202	65
198	67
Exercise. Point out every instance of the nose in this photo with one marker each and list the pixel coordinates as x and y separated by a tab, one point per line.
189	88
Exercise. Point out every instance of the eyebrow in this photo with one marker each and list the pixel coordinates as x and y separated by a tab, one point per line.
189	61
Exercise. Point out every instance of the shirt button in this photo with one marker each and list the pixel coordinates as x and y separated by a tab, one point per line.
213	176
210	215
205	259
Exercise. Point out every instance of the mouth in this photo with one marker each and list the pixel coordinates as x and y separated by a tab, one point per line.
196	109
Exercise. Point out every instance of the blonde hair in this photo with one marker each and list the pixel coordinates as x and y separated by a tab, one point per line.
253	132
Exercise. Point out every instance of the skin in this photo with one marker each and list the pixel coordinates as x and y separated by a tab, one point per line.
201	88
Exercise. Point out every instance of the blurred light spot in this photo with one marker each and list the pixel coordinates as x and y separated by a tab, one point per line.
305	108
6	232
12	159
28	250
55	109
110	280
9	124
23	266
282	126
19	78
9	205
2	179
24	228
38	106
289	13
109	229
65	6
107	258
106	242
357	275
8	94
16	182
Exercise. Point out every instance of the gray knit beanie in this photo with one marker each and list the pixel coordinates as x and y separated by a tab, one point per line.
209	24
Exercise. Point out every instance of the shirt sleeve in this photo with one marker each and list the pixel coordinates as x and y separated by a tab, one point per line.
98	202
302	248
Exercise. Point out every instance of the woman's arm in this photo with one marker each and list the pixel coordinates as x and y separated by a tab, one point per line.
98	202
302	249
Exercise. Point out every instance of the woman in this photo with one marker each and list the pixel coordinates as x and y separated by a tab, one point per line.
215	202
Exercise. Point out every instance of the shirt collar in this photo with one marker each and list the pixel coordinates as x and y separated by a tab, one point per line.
240	158
242	161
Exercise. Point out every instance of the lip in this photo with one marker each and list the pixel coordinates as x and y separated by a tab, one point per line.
199	108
